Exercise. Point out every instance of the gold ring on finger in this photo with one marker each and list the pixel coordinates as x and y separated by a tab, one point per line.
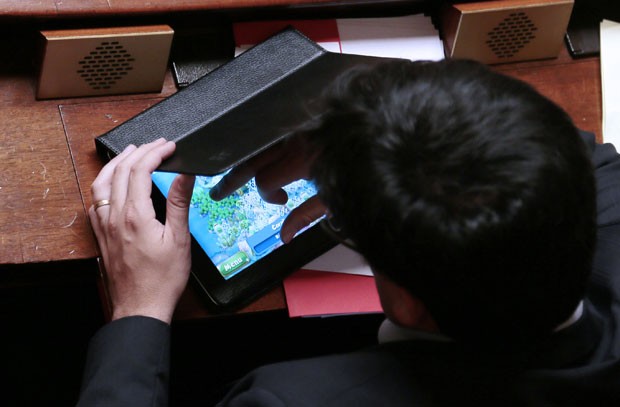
99	204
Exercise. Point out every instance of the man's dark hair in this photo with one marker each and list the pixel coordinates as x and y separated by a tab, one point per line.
465	186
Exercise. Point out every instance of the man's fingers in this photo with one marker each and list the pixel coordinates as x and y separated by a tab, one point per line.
235	179
133	166
177	206
300	217
277	174
139	182
241	174
275	196
101	188
96	225
271	180
120	178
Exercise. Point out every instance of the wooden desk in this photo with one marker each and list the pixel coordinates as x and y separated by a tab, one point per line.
53	10
47	156
100	8
575	85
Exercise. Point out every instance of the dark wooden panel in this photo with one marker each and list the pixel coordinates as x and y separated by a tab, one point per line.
192	306
573	84
91	8
42	217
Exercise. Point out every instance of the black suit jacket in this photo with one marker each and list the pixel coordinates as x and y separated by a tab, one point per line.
580	365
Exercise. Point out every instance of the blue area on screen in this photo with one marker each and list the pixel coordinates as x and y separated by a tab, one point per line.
240	229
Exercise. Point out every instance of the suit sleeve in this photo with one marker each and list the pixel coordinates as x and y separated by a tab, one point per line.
606	163
128	364
604	288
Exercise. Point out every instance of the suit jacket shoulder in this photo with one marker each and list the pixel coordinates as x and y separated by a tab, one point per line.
606	162
373	377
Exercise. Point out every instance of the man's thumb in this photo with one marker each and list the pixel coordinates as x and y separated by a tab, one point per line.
177	206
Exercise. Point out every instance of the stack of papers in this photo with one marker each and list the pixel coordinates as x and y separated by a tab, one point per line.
340	281
410	37
610	81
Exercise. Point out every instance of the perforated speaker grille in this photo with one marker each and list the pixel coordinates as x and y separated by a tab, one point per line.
511	35
104	61
104	66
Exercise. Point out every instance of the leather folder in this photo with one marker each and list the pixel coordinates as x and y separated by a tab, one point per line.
240	108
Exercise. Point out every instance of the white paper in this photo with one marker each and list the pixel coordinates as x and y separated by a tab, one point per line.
328	46
610	81
410	37
342	260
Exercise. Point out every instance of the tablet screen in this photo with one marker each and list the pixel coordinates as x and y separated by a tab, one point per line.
240	229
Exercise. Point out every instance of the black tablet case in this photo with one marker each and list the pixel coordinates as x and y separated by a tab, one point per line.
198	50
240	108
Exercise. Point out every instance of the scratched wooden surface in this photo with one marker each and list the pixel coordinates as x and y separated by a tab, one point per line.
41	213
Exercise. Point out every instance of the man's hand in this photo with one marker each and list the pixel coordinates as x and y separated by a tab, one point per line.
272	169
147	263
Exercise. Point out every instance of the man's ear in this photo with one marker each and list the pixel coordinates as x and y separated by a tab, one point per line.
401	307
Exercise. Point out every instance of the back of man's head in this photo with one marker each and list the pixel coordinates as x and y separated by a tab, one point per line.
466	187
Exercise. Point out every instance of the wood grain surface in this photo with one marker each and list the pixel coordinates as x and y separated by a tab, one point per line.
574	84
36	9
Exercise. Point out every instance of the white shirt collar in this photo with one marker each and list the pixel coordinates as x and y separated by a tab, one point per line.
572	319
390	332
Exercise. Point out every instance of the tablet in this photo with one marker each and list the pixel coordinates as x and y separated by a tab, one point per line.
237	252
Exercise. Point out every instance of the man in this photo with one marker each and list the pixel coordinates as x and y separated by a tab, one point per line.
474	201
